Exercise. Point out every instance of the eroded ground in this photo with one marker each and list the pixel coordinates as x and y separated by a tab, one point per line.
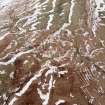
52	52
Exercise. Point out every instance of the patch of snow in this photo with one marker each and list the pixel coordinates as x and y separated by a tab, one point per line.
15	57
28	84
24	89
91	100
59	102
2	72
50	21
5	2
45	97
53	69
52	15
12	101
71	11
25	62
71	95
96	14
11	75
